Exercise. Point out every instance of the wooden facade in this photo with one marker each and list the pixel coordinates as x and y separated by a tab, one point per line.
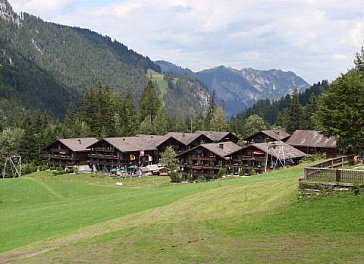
262	157
120	153
267	136
68	152
217	137
206	160
189	140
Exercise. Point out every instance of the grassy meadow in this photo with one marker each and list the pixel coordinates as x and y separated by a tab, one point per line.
258	219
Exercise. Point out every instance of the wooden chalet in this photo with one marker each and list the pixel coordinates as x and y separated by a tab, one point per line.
121	152
131	152
69	152
262	157
206	160
219	136
312	142
268	136
162	142
189	140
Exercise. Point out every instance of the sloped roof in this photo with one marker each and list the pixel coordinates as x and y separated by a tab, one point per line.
311	138
129	144
214	135
153	140
279	149
274	134
185	138
78	144
222	149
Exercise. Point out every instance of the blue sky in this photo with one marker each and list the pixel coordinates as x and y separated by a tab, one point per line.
315	39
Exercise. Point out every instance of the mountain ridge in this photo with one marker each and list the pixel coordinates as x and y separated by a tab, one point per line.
240	89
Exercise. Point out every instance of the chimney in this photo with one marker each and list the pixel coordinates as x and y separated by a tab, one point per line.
79	141
221	145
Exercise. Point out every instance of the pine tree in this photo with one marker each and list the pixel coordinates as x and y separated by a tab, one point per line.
210	110
295	115
149	103
308	112
129	116
160	122
218	121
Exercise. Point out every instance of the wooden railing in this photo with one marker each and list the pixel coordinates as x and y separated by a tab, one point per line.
327	172
335	162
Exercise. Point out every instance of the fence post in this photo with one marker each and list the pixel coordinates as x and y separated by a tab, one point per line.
338	175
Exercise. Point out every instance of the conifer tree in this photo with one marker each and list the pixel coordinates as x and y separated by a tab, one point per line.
129	116
210	110
149	103
294	114
218	121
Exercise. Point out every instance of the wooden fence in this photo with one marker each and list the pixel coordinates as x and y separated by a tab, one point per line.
327	172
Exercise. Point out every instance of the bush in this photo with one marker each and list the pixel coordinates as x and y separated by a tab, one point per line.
241	173
253	172
222	172
28	168
313	157
174	177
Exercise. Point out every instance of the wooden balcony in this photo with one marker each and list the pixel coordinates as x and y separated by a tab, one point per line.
201	167
202	158
104	156
57	150
62	157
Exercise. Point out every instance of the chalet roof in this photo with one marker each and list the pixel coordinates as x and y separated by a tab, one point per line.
153	140
214	135
311	138
130	144
279	149
222	149
185	138
78	144
274	134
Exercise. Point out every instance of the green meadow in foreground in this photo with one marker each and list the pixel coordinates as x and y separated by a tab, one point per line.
89	219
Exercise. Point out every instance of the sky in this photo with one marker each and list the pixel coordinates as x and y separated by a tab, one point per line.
315	39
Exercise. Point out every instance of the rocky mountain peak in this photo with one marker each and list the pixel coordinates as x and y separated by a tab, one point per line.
7	13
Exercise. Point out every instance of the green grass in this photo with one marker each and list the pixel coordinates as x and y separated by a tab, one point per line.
159	79
88	219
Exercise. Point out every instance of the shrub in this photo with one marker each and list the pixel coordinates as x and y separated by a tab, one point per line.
222	172
174	177
28	168
253	172
313	157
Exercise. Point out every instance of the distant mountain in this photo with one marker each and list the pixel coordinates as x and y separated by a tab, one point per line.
45	65
242	88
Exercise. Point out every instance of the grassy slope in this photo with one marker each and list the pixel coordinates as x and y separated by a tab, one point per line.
159	79
250	220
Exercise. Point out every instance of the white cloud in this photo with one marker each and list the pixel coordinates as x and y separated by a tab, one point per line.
315	39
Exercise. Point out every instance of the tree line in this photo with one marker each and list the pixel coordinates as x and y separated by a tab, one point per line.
102	113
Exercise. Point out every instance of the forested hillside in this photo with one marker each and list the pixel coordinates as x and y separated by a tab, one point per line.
45	66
